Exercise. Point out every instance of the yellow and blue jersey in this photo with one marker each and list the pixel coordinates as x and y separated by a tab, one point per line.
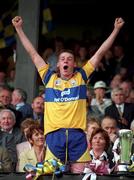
65	100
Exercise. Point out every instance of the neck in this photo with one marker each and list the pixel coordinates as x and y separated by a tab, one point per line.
97	153
40	153
38	148
66	77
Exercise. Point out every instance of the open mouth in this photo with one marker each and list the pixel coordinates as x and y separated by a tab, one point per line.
65	67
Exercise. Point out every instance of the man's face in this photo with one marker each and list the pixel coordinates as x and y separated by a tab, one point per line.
109	125
100	92
7	122
66	64
15	98
38	105
5	97
118	97
126	87
91	128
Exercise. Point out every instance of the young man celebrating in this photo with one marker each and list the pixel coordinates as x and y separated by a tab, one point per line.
65	98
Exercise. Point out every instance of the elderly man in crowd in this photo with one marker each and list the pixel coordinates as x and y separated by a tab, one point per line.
120	110
8	136
7	122
5	100
19	98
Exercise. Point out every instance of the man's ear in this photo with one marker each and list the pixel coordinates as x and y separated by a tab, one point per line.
57	64
75	64
32	105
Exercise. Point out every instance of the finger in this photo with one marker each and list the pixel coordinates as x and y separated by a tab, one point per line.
16	19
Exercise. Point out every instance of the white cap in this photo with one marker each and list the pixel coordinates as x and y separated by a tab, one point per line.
100	84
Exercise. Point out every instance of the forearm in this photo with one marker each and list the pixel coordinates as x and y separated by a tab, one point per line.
107	44
36	58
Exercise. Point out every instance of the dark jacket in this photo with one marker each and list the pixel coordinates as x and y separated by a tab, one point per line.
128	114
5	160
7	141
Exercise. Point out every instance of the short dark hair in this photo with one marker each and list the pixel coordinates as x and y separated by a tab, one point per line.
68	51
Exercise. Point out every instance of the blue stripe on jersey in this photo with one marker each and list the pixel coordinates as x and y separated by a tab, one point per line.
84	76
69	94
48	76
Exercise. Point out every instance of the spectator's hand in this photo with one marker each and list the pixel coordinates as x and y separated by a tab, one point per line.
113	137
99	98
123	121
119	22
17	22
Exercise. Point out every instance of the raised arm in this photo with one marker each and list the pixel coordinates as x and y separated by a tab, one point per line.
36	58
97	57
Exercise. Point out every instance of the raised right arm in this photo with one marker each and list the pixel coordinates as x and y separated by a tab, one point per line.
36	58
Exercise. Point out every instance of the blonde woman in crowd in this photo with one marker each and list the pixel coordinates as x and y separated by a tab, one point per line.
35	136
24	128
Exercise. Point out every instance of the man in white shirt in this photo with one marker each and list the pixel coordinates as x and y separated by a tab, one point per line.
100	100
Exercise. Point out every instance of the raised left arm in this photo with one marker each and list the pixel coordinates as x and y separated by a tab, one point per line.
106	45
